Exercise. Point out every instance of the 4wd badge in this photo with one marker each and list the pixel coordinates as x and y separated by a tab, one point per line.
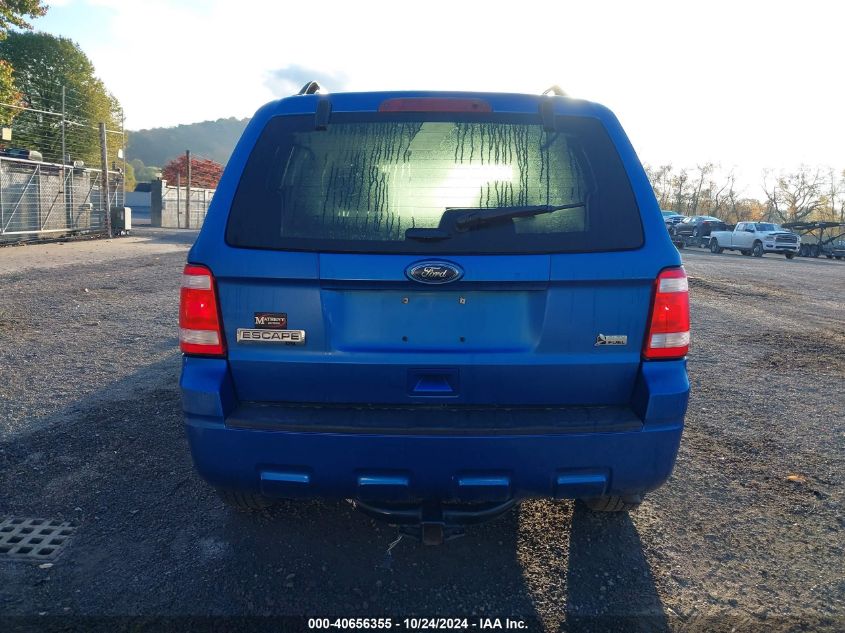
271	320
611	339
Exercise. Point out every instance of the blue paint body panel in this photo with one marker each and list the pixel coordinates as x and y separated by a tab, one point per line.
514	332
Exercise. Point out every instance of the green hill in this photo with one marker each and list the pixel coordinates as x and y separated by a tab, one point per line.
207	139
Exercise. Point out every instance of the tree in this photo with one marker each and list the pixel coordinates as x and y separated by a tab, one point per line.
129	181
8	94
832	194
734	212
204	173
214	139
751	209
145	173
793	197
660	178
13	12
43	65
704	172
841	201
679	185
803	195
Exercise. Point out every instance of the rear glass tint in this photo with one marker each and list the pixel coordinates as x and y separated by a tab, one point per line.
361	184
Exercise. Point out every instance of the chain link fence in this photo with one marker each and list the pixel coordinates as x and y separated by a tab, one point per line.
51	162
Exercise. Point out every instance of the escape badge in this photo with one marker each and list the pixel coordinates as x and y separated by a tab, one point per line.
288	337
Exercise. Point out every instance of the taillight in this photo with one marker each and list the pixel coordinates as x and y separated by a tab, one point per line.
668	332
199	316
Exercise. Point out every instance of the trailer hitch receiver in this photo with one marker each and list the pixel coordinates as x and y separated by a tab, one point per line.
434	523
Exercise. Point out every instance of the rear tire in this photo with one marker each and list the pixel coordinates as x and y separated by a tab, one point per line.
714	247
746	253
757	249
790	255
244	501
613	504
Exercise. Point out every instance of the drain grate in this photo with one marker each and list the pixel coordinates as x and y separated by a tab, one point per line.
33	539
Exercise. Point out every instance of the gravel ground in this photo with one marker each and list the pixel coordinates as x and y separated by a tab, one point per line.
747	535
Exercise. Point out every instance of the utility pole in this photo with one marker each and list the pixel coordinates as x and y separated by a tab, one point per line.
188	189
123	143
104	183
178	199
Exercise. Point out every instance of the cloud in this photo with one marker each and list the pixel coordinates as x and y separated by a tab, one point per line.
286	81
681	98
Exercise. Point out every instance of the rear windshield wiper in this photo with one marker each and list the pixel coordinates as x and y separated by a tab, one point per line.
476	217
469	218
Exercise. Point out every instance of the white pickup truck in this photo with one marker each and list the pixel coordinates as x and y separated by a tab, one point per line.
756	238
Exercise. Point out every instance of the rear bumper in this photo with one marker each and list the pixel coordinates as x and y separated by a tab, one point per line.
413	466
408	468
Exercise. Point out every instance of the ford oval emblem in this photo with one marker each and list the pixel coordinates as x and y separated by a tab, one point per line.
434	272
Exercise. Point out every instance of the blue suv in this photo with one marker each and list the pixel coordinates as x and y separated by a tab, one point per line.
435	304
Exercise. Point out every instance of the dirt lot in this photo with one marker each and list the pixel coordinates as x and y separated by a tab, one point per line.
747	535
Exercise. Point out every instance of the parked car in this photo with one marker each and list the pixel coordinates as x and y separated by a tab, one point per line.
378	309
756	238
697	226
671	218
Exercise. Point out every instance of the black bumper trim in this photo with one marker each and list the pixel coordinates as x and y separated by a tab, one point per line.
426	420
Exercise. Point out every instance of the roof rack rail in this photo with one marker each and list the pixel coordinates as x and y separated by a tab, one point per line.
555	90
312	87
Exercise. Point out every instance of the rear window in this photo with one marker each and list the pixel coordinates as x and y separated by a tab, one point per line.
406	184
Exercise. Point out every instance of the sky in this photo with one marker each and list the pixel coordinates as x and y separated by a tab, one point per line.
747	85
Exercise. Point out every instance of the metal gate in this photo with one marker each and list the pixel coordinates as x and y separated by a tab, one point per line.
168	207
46	198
